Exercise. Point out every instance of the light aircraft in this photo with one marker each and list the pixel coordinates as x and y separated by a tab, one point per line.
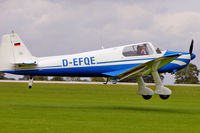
139	59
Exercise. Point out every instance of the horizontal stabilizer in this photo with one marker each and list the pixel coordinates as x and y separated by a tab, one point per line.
32	64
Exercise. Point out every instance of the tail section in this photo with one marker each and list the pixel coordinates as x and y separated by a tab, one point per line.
13	53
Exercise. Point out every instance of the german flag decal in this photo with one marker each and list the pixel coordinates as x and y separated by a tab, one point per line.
17	44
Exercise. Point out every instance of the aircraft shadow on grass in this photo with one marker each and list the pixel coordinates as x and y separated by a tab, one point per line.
116	108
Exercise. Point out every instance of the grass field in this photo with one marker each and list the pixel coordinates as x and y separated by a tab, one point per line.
60	108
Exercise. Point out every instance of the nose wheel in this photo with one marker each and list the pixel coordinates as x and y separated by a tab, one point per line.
30	83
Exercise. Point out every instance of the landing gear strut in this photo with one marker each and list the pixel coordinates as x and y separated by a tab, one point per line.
161	90
107	79
143	90
30	84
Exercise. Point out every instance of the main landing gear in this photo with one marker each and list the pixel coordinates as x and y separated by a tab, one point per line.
161	90
113	81
147	93
107	79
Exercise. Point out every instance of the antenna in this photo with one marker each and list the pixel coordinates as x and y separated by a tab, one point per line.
101	42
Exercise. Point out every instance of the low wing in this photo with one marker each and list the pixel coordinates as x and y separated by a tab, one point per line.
30	64
144	69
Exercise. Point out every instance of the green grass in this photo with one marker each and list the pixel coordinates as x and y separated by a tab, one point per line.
75	108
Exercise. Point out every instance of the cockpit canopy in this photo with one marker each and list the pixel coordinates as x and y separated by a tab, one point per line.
140	50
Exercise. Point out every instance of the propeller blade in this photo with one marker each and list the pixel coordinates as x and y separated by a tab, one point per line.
191	47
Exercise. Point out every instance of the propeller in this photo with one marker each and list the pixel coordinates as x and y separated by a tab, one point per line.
191	47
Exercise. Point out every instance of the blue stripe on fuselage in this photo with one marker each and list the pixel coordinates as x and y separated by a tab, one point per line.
74	71
171	67
174	52
89	71
105	62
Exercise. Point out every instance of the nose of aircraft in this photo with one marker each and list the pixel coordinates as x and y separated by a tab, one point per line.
193	56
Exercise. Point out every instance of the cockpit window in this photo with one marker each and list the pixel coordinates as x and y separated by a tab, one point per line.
137	50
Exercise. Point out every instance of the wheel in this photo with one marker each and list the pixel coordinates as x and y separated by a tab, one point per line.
164	97
29	87
146	97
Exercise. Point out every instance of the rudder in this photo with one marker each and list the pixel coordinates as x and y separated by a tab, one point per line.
13	52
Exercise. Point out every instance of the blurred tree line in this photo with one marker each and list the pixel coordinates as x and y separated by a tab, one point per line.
187	75
147	79
54	78
2	75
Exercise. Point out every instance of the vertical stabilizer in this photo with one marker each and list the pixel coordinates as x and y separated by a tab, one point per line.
20	52
13	52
